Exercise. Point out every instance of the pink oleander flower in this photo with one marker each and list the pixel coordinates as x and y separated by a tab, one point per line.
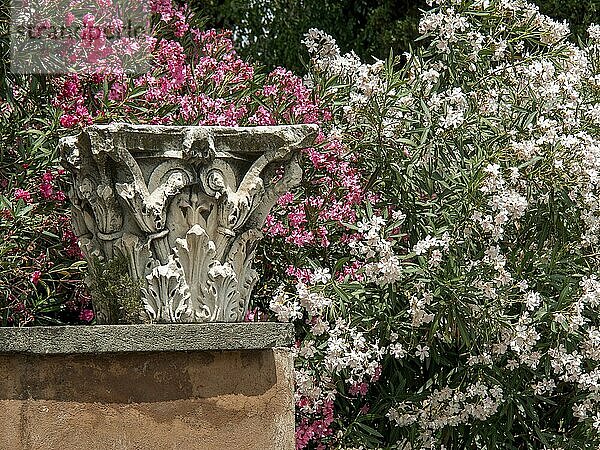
322	234
275	228
301	238
86	315
69	18
35	277
46	190
68	120
297	217
285	199
351	270
21	194
302	275
315	430
117	91
89	20
359	389
255	315
70	242
377	374
262	116
60	196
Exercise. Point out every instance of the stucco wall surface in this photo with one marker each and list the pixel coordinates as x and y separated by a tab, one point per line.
159	400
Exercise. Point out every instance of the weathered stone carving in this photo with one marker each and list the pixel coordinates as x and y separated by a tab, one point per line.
183	206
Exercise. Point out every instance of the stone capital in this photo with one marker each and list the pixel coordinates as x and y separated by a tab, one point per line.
183	206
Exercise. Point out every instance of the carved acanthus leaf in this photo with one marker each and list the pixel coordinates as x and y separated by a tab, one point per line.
167	299
137	252
196	253
223	293
241	257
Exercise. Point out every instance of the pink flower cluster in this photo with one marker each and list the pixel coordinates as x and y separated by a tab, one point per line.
47	189
359	389
181	88
314	430
94	38
291	100
301	275
22	194
331	197
169	12
69	240
71	100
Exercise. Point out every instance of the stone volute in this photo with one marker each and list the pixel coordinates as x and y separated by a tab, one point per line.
183	207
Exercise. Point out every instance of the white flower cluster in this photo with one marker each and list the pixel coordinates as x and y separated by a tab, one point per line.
506	204
524	338
417	310
451	105
396	349
386	267
448	407
348	350
328	60
288	309
447	25
317	389
433	246
594	33
285	309
573	318
341	348
313	302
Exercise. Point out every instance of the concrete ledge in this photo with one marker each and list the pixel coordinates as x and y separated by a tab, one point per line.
146	338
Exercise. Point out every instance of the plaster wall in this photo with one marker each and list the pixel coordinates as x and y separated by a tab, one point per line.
213	400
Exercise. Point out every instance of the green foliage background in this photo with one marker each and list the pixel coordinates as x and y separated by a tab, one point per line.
368	27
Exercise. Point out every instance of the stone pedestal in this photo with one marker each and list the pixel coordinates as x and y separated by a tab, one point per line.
177	386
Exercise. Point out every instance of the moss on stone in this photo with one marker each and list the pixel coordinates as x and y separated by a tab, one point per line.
115	292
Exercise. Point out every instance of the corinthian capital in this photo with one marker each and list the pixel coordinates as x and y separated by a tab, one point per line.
182	207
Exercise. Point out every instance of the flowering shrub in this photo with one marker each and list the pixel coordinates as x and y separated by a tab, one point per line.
439	260
40	275
463	311
40	267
